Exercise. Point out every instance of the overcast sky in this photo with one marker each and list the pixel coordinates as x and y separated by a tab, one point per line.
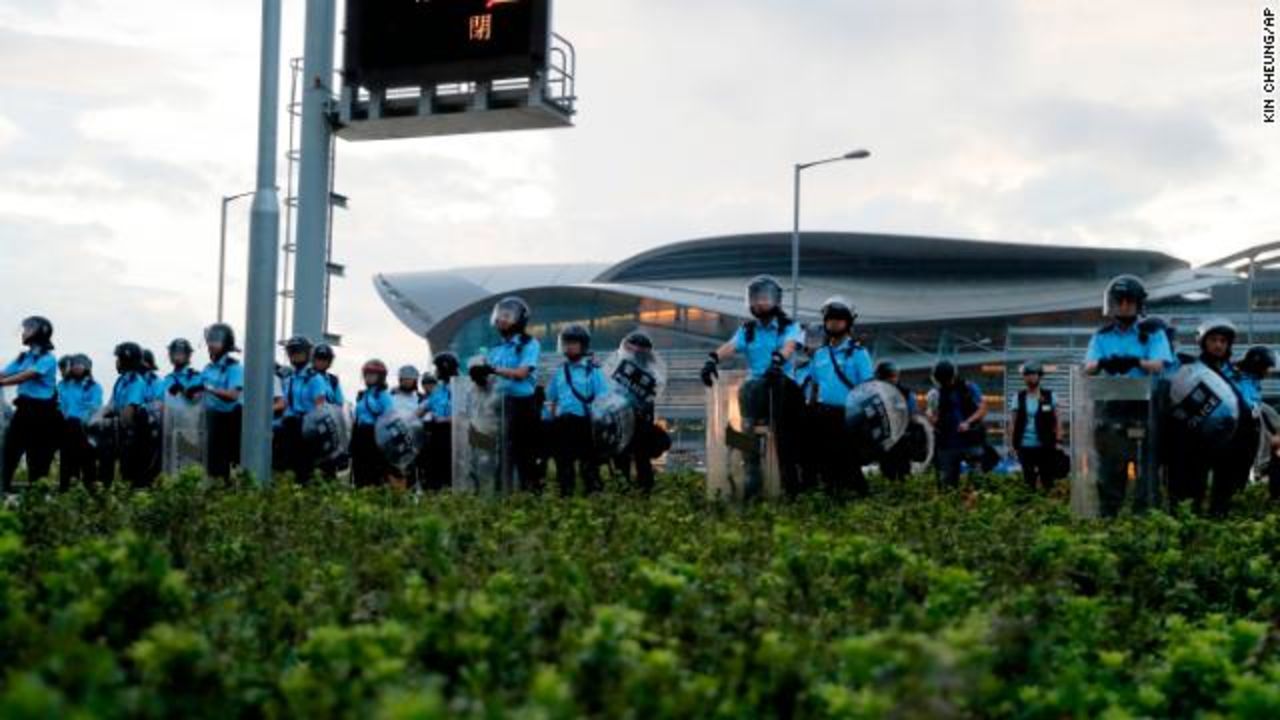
1134	124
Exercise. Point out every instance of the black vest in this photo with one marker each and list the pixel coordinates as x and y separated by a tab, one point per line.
1045	421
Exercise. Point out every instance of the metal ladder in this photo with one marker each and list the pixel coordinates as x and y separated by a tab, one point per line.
289	248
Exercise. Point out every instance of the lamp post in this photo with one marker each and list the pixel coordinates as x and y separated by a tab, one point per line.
264	251
795	230
222	249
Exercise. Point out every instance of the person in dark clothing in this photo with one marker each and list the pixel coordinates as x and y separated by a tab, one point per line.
956	410
1036	430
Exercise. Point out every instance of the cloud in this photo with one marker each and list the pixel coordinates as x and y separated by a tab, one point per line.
1035	120
8	132
58	270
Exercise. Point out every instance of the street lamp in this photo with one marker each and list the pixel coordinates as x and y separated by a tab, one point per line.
795	231
222	248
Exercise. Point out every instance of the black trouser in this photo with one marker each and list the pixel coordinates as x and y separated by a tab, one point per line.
836	462
947	461
778	403
1037	467
575	454
297	457
646	444
896	463
33	432
76	455
134	449
522	440
435	464
368	468
224	443
1230	466
1120	439
1273	477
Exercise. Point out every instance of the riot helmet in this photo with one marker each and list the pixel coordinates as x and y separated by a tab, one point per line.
1258	361
575	334
764	297
510	316
447	365
221	337
1124	287
128	357
37	332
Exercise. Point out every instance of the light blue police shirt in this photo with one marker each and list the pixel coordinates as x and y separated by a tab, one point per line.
79	399
1115	341
43	385
850	359
185	379
130	389
516	352
585	377
1031	438
439	403
768	339
301	390
225	374
331	389
372	404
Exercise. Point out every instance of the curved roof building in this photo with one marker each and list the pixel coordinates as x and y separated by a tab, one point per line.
915	295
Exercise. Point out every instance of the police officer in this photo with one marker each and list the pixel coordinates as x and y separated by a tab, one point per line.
648	441
577	383
223	385
303	391
513	365
183	380
956	410
1122	348
405	396
1231	464
429	384
36	423
837	368
64	367
435	462
769	341
79	398
151	373
1258	362
321	363
1036	430
896	462
368	467
130	445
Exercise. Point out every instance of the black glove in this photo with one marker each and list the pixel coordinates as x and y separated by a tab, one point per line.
776	363
175	389
1125	363
480	373
711	370
194	392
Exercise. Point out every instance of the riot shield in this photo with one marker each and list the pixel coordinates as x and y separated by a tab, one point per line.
919	435
640	376
399	436
1203	409
613	423
1268	429
326	431
182	438
742	447
104	430
1113	436
481	458
876	416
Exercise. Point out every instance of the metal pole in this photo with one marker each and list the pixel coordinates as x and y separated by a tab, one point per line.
264	251
222	250
222	256
1253	264
311	263
795	250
